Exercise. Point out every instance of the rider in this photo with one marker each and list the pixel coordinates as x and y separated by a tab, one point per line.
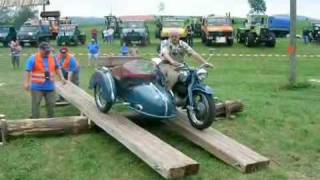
172	52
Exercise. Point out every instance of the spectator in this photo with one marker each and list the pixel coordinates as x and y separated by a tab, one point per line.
306	36
190	36
40	79
110	33
124	50
15	53
94	35
93	49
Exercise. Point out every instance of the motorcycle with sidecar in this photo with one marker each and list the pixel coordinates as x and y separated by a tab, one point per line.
139	84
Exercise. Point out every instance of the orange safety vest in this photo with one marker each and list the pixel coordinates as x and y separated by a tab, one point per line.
38	72
66	64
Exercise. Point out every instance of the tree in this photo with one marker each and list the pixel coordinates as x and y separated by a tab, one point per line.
258	6
5	16
22	15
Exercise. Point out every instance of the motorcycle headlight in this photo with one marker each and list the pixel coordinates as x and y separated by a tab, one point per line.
183	76
202	74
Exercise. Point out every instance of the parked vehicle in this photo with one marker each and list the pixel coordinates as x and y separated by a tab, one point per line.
34	34
52	19
315	32
70	34
279	25
256	31
217	30
173	25
139	85
134	31
7	34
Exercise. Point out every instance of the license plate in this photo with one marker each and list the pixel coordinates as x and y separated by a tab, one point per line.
221	39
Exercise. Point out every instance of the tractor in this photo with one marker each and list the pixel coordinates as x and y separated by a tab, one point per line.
315	32
256	31
70	34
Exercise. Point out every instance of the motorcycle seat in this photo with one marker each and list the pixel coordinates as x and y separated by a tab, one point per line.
137	69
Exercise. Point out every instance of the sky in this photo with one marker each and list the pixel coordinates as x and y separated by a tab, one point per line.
239	8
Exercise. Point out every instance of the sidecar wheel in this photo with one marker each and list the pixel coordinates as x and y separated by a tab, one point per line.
203	114
101	102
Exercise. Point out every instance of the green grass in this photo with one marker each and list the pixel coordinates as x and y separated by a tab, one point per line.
280	123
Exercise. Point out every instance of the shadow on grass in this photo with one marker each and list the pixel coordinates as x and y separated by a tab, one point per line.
297	86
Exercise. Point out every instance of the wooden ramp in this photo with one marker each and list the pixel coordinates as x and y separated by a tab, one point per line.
163	158
220	145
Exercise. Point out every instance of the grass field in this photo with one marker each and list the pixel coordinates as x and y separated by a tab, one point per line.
280	123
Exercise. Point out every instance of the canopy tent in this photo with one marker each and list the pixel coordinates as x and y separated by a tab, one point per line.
22	3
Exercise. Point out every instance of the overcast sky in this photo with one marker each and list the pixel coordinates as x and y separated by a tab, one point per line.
100	8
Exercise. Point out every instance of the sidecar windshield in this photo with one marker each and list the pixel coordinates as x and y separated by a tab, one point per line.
137	69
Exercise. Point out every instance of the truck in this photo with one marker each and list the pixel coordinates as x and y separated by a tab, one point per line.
279	25
7	34
34	34
134	31
256	31
173	25
218	30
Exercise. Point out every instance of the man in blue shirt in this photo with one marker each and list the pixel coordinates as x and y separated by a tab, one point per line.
93	49
124	49
40	79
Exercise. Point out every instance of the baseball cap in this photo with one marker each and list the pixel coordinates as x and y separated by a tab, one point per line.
64	50
44	46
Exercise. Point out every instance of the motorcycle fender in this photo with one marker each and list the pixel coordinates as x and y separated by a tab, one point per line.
203	88
106	82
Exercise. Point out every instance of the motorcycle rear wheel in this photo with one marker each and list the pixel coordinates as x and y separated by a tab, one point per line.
101	102
203	113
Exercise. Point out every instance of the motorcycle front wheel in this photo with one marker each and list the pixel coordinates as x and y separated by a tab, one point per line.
101	102
202	115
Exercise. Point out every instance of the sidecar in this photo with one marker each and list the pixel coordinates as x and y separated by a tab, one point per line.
135	84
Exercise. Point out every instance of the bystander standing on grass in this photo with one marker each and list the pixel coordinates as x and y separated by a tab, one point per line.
93	49
16	50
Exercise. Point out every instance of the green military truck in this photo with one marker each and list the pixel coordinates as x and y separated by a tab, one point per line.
7	34
256	31
134	31
34	34
70	34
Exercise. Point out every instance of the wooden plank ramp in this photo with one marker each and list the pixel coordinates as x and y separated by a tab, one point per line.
223	147
163	158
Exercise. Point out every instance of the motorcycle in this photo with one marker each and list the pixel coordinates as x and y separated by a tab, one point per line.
192	94
140	85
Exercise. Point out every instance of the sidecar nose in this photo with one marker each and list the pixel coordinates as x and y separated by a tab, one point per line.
153	101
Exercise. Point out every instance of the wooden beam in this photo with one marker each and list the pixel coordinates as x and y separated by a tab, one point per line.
163	158
220	145
47	126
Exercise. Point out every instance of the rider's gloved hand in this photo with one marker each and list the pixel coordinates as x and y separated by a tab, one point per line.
208	65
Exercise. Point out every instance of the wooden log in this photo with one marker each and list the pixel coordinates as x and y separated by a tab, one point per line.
163	158
228	107
62	103
2	116
220	145
48	126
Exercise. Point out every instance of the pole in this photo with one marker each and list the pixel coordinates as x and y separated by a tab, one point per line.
293	41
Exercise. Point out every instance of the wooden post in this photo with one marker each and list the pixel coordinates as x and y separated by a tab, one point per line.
3	132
